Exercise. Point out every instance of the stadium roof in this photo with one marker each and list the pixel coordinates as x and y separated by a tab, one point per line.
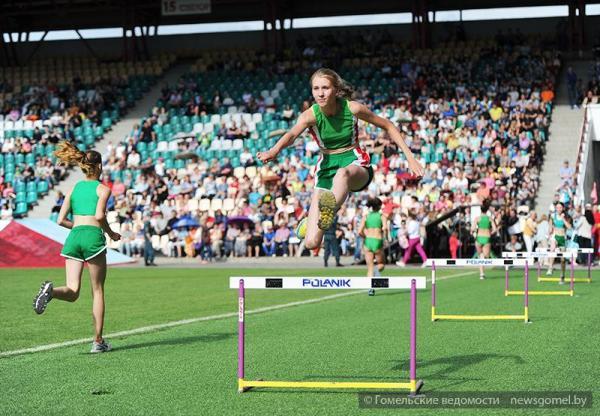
42	15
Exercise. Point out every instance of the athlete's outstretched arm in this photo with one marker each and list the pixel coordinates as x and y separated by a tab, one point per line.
361	111
305	120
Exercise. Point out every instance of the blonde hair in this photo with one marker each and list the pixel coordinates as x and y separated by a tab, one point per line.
90	162
344	89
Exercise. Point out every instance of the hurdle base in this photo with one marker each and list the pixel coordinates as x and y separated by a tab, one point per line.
246	385
539	293
558	279
417	388
479	318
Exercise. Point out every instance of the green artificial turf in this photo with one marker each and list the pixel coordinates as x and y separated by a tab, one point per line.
192	369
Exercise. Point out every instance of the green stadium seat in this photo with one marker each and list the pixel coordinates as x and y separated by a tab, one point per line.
21	209
32	198
30	159
42	187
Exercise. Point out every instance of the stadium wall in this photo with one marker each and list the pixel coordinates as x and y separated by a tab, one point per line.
111	48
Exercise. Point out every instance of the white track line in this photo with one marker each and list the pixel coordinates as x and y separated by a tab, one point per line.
150	328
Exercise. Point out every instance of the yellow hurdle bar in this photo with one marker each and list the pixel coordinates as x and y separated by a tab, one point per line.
246	384
540	292
481	317
557	279
436	317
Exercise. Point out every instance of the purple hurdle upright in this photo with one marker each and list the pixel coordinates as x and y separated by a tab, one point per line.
413	337
589	264
241	330
572	284
433	291
526	290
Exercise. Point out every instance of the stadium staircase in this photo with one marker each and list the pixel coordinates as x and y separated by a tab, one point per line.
118	132
564	133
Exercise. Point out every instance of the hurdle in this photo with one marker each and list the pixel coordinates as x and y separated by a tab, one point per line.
274	283
588	279
476	263
538	255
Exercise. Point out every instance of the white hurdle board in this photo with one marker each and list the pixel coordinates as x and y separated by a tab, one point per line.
474	262
539	255
332	282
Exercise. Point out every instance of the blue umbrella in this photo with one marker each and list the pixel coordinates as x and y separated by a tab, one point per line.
186	222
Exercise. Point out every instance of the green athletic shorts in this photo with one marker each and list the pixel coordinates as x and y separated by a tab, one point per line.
328	165
561	241
373	244
84	243
482	241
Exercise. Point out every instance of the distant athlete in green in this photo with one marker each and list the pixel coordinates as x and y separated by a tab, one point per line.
374	228
343	166
86	241
484	228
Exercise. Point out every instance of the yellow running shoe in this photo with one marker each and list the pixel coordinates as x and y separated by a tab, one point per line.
327	205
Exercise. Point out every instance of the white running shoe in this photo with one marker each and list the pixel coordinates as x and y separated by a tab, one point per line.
98	347
549	272
400	263
42	298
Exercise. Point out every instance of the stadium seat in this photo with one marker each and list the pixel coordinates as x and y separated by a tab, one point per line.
228	204
204	205
216	204
21	209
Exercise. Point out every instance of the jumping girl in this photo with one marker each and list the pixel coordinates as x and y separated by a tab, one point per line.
343	167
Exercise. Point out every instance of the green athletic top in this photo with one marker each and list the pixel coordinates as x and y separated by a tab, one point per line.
84	198
337	131
373	220
484	222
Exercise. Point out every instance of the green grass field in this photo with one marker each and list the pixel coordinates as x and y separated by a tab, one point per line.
192	368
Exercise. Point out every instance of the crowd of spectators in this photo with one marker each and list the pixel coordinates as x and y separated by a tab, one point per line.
476	116
34	117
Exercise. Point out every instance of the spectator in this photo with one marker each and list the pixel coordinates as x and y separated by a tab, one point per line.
513	245
331	244
241	241
231	235
583	229
414	240
126	242
282	237
454	243
148	249
566	174
572	87
529	231
6	213
268	242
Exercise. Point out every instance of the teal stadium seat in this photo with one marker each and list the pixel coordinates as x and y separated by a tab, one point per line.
21	209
